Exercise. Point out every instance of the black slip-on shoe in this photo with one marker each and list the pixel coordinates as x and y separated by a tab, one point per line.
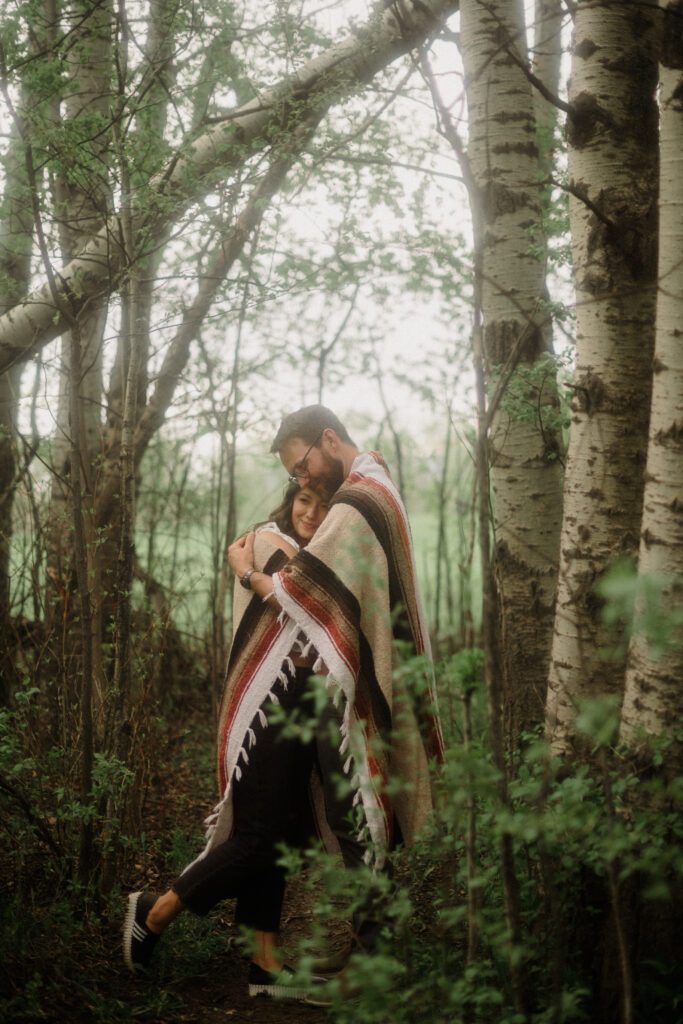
138	940
280	985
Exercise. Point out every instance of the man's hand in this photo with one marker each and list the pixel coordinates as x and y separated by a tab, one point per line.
241	554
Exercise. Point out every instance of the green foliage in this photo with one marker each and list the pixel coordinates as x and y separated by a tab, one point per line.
586	836
639	603
577	831
531	396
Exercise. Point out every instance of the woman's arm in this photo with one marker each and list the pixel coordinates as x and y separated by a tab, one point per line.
241	559
279	542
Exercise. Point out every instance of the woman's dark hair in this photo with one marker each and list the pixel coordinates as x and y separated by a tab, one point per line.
282	515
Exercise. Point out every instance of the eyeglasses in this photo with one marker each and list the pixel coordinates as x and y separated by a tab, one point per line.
300	471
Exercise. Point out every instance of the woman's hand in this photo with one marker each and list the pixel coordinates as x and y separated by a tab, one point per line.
241	554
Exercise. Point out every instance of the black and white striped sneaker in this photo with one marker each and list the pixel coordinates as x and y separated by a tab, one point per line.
280	985
138	940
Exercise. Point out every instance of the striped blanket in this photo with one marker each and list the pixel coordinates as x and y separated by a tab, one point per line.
351	594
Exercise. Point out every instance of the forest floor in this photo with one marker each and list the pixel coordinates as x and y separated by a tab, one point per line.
205	975
75	972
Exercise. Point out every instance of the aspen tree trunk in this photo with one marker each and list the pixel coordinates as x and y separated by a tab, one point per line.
546	64
524	444
16	232
9	404
547	58
493	669
612	135
82	202
150	122
653	699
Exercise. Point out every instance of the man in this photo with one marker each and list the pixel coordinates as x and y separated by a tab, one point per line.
352	592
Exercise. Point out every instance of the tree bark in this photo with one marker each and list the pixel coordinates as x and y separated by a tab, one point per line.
547	59
524	438
652	699
492	645
16	233
612	134
390	32
81	201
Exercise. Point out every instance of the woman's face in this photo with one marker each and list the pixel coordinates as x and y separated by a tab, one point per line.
308	512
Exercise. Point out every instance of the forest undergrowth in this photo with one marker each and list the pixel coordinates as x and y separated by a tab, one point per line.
61	949
598	861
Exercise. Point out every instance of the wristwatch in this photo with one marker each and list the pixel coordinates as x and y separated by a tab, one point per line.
245	580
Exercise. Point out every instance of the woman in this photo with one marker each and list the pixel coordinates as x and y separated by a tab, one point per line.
262	795
296	519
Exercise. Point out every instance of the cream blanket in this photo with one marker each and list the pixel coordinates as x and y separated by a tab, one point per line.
353	592
352	595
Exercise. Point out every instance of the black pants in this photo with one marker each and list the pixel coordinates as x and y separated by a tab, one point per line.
268	805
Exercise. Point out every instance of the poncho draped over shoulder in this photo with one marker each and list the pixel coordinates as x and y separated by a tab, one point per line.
353	592
349	596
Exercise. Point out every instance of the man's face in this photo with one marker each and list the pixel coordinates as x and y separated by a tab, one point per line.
313	465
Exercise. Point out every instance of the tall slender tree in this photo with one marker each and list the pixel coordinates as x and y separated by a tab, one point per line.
16	240
524	443
652	700
612	138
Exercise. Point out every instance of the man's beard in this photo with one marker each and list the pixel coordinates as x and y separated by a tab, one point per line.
331	477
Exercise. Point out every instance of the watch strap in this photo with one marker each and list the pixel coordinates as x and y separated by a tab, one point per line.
245	579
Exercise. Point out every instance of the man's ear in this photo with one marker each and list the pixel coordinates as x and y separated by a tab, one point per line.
330	436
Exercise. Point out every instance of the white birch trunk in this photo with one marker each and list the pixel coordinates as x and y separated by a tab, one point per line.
82	201
16	232
653	699
612	135
524	448
547	58
390	32
82	209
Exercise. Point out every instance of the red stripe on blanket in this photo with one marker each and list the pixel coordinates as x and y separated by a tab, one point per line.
429	722
322	615
259	655
397	506
378	775
406	542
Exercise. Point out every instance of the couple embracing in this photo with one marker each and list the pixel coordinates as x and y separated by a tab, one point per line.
325	590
